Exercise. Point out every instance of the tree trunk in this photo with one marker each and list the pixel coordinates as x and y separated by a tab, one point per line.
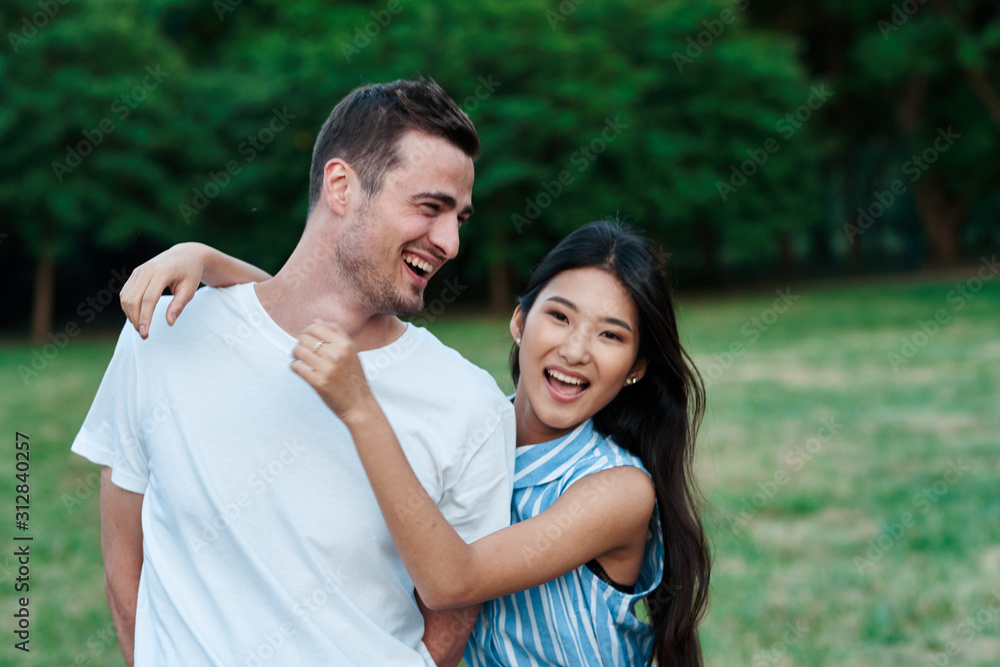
708	242
857	249
941	214
41	315
501	298
942	217
786	254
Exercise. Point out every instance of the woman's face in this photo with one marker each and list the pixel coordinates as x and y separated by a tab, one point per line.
578	347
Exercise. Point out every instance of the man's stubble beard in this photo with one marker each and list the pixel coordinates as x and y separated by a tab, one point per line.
360	271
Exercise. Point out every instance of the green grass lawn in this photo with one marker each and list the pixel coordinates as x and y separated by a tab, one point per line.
852	505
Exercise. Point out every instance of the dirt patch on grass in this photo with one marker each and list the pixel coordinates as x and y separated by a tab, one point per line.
834	526
943	424
793	375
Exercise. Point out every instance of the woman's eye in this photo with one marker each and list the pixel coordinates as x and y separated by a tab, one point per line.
612	336
559	316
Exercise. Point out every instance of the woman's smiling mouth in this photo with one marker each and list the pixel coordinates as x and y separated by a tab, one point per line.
563	386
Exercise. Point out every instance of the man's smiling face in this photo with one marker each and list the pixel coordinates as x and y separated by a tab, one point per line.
399	238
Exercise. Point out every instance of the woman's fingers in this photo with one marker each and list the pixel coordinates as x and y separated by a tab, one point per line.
133	297
124	297
183	292
327	359
306	372
179	268
329	333
151	293
307	353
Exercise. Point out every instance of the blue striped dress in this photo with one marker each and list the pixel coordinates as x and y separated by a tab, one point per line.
578	619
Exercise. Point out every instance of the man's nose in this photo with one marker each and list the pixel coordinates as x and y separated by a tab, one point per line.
444	236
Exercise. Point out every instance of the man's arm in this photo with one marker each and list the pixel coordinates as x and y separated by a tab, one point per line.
446	631
121	544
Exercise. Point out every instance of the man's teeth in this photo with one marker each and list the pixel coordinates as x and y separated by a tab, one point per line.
419	263
565	378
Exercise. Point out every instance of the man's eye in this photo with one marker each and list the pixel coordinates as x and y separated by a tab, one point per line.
431	207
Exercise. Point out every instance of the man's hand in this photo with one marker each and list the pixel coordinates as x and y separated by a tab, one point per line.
121	544
447	631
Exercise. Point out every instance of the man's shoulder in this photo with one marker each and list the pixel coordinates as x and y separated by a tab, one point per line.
208	305
212	323
435	385
458	373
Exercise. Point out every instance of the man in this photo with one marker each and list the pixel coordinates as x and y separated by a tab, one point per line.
237	524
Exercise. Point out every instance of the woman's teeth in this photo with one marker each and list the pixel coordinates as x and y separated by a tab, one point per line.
566	378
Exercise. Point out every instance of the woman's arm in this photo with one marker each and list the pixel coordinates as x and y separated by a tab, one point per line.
181	268
601	514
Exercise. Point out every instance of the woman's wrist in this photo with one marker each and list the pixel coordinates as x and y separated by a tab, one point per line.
364	415
210	260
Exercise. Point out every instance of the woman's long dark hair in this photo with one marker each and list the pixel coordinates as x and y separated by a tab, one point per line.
656	419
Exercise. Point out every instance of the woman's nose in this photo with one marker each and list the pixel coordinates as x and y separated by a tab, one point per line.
574	348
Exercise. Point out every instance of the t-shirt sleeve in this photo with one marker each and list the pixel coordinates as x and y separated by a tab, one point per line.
478	503
111	434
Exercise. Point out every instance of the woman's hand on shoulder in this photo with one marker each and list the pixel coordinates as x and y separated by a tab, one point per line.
180	268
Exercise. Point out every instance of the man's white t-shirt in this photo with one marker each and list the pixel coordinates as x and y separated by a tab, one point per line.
263	543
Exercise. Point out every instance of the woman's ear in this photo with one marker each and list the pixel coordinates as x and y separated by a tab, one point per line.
517	325
639	368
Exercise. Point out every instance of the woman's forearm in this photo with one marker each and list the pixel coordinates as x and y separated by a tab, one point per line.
435	555
222	270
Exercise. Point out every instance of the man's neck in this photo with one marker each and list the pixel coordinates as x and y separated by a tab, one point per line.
294	302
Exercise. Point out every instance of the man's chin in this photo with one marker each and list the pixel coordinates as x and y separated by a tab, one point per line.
410	306
410	312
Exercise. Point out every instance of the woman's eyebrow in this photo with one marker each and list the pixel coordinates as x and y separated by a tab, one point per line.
572	306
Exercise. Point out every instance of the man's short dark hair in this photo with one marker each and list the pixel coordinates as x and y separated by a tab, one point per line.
365	127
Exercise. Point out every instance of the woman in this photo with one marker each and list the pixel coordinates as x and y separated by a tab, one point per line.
603	513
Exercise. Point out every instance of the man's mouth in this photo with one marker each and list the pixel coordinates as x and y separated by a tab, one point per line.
565	386
420	268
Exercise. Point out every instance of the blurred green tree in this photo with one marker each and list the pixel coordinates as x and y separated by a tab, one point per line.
723	128
658	112
585	110
91	145
920	109
137	131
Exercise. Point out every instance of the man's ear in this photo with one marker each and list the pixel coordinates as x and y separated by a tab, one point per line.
338	186
517	324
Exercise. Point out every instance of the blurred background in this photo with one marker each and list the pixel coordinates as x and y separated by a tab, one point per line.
823	179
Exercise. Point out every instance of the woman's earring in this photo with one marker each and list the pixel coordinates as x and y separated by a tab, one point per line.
629	382
517	340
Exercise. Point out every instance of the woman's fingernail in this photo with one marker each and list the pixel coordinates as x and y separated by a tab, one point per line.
142	330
